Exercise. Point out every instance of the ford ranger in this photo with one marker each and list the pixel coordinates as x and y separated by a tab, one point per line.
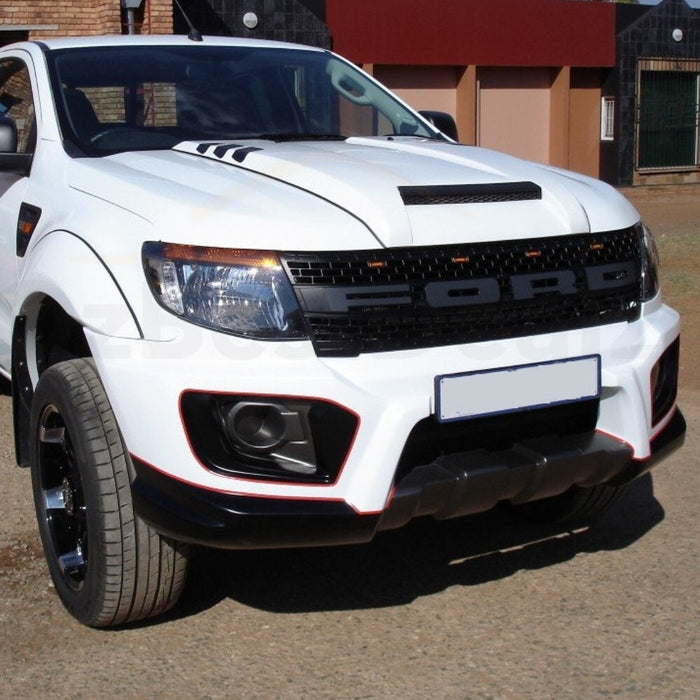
249	298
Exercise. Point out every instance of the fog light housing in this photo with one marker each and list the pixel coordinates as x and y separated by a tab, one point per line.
266	437
664	382
256	426
282	432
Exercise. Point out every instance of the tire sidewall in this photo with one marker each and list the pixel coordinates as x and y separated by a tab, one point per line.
54	389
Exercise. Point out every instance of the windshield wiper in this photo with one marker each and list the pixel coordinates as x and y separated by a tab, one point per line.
429	137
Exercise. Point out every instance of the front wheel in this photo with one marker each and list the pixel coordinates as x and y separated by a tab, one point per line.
108	566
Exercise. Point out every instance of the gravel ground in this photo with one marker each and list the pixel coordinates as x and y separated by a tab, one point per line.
484	607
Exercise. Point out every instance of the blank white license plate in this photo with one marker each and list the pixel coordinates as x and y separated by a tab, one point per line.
509	389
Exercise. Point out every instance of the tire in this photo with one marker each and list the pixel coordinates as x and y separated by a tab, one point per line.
109	567
576	504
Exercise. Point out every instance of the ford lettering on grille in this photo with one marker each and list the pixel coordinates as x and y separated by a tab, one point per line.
373	301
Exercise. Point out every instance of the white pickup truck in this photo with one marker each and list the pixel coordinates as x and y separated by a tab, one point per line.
249	298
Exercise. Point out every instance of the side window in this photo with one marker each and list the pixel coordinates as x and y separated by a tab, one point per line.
17	102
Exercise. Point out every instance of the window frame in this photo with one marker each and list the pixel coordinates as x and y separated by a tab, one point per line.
607	118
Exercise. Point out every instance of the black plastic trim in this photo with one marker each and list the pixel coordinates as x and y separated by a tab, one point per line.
18	163
366	301
230	521
332	429
470	194
449	487
475	481
670	439
666	390
22	392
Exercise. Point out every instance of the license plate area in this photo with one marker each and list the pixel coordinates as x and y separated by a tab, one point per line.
518	388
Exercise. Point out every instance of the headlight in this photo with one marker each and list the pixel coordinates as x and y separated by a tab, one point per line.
243	292
650	262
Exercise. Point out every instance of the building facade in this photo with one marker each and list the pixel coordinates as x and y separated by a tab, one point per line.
40	19
654	93
522	77
605	89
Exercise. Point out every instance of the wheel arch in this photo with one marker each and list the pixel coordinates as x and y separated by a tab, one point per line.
64	288
42	336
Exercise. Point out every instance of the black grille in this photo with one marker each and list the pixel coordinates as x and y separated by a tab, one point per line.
405	298
470	194
429	439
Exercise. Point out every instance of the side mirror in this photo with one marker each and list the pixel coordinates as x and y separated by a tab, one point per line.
8	135
442	121
10	160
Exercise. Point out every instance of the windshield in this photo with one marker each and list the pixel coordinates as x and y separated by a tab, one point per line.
119	98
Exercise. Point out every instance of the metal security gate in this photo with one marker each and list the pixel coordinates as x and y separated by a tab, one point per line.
667	115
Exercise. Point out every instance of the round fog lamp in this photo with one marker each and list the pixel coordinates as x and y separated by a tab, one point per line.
256	426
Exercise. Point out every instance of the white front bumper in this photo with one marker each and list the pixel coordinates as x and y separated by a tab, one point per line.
389	392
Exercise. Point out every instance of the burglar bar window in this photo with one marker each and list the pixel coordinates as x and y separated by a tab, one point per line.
607	119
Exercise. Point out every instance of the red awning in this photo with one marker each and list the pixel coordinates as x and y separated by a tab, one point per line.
474	32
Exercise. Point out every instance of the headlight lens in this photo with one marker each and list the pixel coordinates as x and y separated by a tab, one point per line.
243	292
650	262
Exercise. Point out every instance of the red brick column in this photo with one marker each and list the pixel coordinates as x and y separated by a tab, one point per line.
87	17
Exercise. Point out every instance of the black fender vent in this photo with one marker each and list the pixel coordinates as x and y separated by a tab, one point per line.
470	194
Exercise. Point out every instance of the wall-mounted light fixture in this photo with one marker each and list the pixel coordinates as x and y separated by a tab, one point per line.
250	20
677	34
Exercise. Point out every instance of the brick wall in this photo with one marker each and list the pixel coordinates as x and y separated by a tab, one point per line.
156	17
71	18
87	17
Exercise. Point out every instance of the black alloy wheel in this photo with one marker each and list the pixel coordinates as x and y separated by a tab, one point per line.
108	566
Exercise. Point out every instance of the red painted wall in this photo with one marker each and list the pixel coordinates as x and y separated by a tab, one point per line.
474	32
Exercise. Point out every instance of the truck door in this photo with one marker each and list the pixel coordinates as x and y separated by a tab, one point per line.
17	143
